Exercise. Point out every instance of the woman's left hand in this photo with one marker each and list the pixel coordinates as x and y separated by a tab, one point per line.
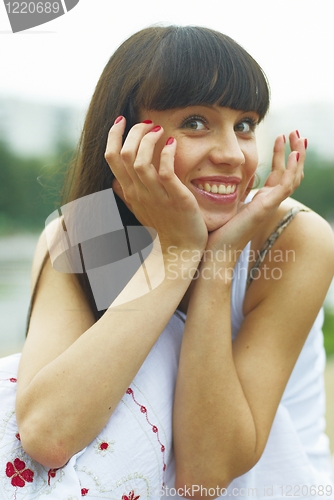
297	143
280	184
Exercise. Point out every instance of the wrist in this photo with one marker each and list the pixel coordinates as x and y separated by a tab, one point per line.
181	264
216	273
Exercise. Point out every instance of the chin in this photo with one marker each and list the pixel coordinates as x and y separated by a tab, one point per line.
214	224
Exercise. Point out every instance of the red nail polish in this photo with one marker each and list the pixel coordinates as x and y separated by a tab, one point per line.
148	122
305	143
118	119
156	128
298	134
170	141
297	156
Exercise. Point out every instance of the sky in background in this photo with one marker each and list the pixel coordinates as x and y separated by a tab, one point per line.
60	62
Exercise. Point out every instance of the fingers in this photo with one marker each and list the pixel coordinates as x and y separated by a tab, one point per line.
290	179
298	143
143	164
140	166
127	160
159	178
166	167
278	163
113	148
296	159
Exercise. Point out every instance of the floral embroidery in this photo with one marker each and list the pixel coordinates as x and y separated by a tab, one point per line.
84	492
130	496
103	446
51	474
17	435
11	379
155	429
19	473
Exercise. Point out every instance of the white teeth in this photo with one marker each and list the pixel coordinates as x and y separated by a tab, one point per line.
220	189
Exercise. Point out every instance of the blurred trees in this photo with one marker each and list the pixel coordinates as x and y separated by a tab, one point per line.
30	188
30	191
317	189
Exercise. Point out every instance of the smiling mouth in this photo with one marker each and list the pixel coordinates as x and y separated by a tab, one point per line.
217	188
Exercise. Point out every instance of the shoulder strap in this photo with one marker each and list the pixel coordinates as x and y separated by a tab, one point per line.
284	222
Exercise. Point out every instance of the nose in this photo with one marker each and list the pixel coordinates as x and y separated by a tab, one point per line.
226	150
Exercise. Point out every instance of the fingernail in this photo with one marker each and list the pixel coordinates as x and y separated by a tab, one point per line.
298	134
148	122
297	156
305	143
284	139
170	141
118	119
156	128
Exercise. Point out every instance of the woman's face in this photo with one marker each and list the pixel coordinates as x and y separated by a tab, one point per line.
216	155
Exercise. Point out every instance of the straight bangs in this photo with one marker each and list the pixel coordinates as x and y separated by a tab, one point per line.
198	66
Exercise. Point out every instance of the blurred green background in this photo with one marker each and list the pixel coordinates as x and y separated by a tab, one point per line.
30	188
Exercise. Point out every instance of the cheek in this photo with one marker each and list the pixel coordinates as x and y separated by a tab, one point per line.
156	158
186	159
180	166
252	159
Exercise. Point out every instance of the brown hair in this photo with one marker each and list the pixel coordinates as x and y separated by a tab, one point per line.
160	68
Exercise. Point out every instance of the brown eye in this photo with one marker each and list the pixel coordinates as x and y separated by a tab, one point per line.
245	126
194	124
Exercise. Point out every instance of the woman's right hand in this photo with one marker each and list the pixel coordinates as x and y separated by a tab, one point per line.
65	342
154	193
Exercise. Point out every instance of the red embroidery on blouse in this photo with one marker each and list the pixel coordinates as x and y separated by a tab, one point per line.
19	473
14	380
84	492
154	429
17	435
130	496
51	474
103	446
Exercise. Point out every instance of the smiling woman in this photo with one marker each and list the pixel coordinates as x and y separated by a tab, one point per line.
204	376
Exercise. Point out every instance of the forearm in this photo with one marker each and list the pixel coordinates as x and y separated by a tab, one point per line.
69	401
214	432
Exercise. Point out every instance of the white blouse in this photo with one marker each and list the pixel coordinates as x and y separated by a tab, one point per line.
132	458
